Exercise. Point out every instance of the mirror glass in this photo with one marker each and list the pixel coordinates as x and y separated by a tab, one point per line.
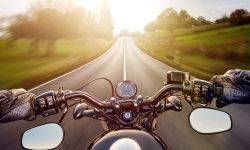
47	136
205	120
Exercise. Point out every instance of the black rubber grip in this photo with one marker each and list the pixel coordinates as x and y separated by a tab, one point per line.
218	90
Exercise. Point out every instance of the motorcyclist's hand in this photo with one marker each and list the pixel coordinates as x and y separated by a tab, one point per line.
236	85
16	104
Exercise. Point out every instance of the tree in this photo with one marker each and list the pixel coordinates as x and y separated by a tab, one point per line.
104	21
202	21
47	22
151	27
239	16
2	24
223	19
171	20
76	23
21	26
185	20
50	20
167	20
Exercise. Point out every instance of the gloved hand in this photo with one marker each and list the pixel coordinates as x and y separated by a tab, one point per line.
236	85
16	104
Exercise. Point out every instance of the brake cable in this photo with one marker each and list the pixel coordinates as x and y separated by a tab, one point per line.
101	78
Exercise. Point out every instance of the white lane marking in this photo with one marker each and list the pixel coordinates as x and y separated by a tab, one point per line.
113	46
124	64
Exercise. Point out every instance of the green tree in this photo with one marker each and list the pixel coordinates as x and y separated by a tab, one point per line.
185	20
222	19
21	26
151	27
239	16
47	22
2	24
50	20
203	21
167	20
76	23
104	21
171	20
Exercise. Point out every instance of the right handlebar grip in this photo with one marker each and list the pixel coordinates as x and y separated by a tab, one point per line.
202	91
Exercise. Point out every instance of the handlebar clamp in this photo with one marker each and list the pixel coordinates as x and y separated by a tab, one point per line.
60	100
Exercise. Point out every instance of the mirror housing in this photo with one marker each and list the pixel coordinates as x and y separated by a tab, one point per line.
175	102
46	136
208	121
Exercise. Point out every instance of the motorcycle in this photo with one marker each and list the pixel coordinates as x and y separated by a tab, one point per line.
128	119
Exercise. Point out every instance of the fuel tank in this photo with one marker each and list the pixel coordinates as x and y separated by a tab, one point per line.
128	139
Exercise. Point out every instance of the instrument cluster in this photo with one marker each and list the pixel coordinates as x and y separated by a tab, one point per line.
126	89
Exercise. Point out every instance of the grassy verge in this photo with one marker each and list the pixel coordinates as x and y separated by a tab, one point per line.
202	53
20	68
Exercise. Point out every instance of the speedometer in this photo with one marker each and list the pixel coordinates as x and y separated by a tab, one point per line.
126	89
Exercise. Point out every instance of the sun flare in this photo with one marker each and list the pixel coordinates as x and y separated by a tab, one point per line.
88	4
127	14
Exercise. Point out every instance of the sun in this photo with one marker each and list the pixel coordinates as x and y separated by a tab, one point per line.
88	4
132	15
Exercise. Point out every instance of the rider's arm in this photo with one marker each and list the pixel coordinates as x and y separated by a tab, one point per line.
236	85
16	104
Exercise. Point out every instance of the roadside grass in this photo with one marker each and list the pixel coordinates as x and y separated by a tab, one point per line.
188	31
216	37
203	54
21	68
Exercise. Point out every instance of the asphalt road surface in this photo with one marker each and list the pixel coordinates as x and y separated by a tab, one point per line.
125	60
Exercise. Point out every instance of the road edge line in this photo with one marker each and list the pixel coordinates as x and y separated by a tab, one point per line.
36	87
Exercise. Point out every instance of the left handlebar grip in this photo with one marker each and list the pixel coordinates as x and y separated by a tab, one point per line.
46	104
218	90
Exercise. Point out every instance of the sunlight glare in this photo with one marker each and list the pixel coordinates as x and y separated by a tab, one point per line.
127	14
88	4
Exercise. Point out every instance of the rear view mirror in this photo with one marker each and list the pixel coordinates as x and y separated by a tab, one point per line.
47	136
206	120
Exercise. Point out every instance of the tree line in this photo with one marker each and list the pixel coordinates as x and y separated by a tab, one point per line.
49	21
170	20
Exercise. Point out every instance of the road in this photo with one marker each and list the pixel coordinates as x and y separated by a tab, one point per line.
126	60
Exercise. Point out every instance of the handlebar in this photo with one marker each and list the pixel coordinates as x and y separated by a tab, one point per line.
199	90
89	98
162	93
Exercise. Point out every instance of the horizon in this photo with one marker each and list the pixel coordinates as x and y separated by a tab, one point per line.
134	15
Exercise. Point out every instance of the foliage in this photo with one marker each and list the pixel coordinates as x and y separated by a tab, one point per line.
21	70
239	17
203	53
105	22
52	20
171	20
223	19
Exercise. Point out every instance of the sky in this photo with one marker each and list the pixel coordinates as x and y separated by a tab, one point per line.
135	14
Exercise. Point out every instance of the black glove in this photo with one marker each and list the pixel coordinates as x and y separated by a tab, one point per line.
236	85
16	104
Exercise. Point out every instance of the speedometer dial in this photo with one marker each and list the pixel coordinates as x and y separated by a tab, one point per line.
126	89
